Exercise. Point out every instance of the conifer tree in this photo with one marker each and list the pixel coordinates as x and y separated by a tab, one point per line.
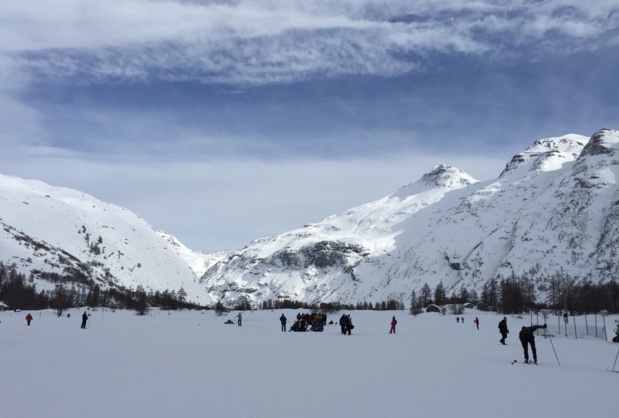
440	296
425	296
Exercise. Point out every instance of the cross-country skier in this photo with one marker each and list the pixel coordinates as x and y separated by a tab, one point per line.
239	319
503	330
527	338
28	319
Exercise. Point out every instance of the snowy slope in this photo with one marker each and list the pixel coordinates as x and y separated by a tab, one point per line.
58	230
554	208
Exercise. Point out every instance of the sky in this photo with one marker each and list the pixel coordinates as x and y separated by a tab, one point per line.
222	122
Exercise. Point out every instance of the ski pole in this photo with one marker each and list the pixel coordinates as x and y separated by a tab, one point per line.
615	360
553	346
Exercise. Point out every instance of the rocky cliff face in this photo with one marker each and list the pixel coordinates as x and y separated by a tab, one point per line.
553	208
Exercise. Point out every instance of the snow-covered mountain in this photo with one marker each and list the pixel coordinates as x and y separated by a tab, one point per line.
554	208
49	231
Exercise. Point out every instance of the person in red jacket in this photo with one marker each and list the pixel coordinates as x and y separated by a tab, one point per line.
393	322
28	319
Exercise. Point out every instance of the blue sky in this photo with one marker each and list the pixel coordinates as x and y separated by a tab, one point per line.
226	121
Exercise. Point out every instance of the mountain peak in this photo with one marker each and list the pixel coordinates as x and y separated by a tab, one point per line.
547	154
604	141
446	176
441	176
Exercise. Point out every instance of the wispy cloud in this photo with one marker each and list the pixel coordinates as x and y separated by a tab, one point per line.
254	42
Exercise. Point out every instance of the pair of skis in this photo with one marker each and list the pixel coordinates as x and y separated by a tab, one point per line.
531	362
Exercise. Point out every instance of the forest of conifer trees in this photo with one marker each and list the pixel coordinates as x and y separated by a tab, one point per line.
511	296
70	291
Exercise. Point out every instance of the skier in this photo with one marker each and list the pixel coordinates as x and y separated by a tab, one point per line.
28	319
616	339
476	322
393	322
526	337
503	329
239	319
458	319
283	320
84	319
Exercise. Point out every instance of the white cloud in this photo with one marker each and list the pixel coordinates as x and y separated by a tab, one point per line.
283	40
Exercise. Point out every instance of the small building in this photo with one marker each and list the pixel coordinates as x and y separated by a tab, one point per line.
3	307
433	308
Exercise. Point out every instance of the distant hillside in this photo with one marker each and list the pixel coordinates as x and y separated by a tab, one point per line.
554	210
50	232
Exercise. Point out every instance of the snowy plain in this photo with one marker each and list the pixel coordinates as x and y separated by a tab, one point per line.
191	364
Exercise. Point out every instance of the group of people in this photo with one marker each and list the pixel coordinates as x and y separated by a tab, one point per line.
29	319
526	337
315	322
460	319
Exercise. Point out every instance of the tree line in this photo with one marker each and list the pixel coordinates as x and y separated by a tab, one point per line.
509	296
19	292
514	295
330	307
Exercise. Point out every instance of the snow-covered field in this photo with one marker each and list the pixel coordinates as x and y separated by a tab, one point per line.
190	364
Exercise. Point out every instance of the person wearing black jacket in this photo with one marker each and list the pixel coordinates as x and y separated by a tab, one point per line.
527	338
503	330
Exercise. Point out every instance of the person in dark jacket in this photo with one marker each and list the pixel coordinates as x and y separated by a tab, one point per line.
503	330
84	319
349	325
283	320
344	323
527	338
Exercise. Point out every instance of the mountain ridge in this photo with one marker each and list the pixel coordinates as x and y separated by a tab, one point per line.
554	209
462	235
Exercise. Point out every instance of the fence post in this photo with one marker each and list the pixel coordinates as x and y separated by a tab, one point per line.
575	332
596	324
